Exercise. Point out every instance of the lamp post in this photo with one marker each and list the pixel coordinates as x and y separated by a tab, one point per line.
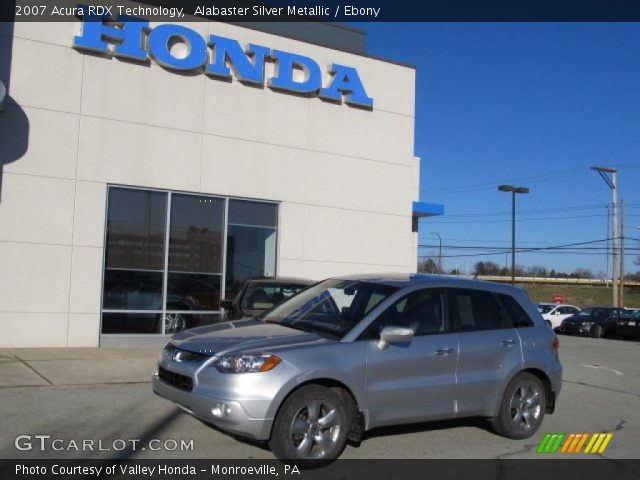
439	251
514	191
610	176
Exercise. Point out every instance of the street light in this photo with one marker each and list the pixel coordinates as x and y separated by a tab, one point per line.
439	252
514	191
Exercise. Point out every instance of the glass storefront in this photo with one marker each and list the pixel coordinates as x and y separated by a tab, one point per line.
170	256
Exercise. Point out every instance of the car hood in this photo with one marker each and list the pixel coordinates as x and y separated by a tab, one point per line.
242	335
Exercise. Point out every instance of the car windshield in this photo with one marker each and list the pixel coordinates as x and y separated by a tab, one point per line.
263	296
331	308
545	308
591	312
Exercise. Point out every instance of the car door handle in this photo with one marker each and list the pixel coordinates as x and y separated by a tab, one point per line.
444	351
508	343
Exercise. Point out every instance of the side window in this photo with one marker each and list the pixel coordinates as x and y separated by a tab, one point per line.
517	315
424	311
477	310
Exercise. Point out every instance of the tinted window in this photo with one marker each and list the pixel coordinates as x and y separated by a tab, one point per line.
154	282
477	310
424	311
243	212
251	243
517	315
135	229
195	253
134	260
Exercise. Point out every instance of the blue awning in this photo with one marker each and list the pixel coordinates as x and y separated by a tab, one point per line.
426	209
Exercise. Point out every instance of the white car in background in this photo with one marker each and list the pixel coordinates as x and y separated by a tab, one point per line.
555	313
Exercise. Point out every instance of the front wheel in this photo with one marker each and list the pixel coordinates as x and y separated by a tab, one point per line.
311	427
597	331
522	408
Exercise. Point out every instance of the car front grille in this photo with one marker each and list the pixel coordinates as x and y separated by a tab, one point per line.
179	381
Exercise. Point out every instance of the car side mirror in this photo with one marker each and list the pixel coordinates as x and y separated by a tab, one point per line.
393	334
226	304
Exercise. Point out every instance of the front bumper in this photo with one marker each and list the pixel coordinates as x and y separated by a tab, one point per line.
225	413
575	329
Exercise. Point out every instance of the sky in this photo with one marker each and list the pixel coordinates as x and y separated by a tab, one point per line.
530	104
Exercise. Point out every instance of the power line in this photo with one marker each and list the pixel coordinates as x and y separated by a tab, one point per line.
539	219
576	248
491	185
530	212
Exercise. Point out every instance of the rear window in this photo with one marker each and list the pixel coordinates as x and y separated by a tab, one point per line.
515	312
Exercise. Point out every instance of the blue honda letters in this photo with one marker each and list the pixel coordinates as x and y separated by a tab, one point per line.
128	36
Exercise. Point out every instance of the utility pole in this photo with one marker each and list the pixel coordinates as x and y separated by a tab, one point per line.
439	252
609	175
607	247
621	292
514	191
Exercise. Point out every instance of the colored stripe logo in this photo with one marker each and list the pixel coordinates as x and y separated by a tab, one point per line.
574	443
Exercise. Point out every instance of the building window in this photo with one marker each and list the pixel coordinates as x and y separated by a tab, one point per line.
134	261
251	243
165	254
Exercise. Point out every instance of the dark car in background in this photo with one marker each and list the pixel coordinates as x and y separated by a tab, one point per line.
593	321
260	294
629	324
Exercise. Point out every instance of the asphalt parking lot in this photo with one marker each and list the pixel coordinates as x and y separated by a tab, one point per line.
601	393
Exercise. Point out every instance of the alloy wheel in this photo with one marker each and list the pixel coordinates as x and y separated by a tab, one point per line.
526	406
174	323
315	429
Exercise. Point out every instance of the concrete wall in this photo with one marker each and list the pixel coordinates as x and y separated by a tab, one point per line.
77	122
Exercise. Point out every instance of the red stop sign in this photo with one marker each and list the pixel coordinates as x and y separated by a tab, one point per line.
558	299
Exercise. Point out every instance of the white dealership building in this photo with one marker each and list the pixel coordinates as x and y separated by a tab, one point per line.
149	177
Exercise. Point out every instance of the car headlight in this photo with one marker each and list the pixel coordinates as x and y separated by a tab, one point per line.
587	324
247	363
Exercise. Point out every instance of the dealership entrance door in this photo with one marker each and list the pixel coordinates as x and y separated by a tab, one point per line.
170	257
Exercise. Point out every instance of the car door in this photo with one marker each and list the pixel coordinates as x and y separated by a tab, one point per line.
490	351
566	312
610	319
414	381
556	316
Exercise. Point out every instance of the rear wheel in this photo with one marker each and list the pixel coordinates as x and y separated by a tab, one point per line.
311	426
597	331
522	408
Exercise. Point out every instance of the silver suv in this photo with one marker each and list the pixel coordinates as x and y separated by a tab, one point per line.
354	353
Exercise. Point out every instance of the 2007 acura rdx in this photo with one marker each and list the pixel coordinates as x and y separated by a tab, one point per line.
354	353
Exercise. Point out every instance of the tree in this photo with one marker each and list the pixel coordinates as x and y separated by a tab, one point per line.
537	271
455	271
582	273
428	265
487	268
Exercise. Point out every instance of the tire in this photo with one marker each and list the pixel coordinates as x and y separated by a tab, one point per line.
597	331
311	427
522	408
